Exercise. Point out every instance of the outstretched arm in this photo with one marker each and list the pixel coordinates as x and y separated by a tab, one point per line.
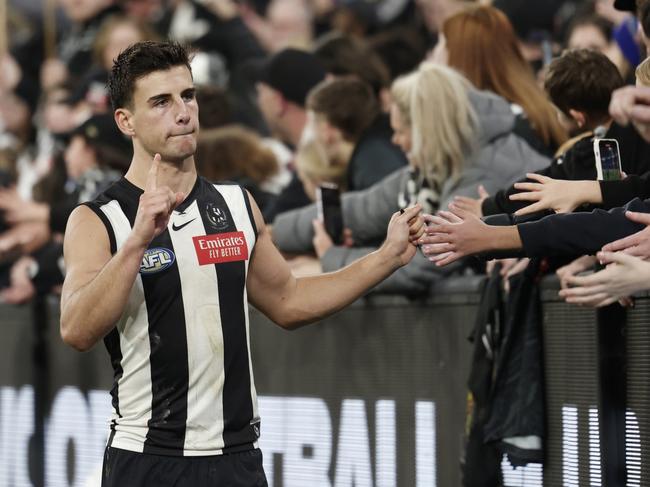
455	235
292	302
559	195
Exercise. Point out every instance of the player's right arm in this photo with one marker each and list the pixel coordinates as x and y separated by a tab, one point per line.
97	284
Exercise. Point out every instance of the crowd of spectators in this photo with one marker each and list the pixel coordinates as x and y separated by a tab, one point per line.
489	109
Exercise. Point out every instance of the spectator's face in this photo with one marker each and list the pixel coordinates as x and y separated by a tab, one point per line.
588	37
83	10
165	115
290	22
270	103
14	114
79	157
145	10
121	37
401	131
320	127
58	116
434	12
337	149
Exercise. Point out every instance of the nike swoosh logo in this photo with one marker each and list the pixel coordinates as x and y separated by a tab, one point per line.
176	228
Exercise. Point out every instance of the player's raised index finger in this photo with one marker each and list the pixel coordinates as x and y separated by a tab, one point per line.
152	175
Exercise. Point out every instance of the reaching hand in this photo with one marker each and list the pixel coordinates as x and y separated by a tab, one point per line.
17	210
417	227
624	276
549	194
155	208
223	9
637	244
322	241
21	288
400	242
24	238
576	267
632	104
472	205
10	73
451	236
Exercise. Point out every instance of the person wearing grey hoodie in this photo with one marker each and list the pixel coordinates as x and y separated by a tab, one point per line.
456	138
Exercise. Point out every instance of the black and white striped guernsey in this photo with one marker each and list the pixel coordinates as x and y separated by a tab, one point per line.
183	380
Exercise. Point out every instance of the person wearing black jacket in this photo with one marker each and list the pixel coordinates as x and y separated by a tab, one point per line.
575	175
350	124
580	83
452	236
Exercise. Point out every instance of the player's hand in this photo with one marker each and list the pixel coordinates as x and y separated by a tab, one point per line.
417	227
453	235
546	194
637	244
576	267
623	276
472	205
155	208
398	244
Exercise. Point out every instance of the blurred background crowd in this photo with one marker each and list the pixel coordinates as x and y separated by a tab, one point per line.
395	101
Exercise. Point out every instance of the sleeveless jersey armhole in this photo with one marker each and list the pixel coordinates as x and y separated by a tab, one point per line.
250	211
109	229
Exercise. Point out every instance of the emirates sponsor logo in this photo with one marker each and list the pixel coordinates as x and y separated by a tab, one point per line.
221	247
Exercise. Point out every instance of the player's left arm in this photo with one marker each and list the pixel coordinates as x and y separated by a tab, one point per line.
291	302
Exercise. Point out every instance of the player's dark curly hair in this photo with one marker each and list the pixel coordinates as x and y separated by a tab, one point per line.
141	59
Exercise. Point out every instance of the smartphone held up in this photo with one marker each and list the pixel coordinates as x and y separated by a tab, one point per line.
608	159
328	202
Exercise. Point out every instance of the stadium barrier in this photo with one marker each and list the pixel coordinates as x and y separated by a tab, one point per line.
373	396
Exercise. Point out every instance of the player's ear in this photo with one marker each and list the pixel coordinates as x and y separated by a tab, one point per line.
124	120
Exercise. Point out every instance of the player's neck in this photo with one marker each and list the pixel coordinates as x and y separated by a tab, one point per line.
179	177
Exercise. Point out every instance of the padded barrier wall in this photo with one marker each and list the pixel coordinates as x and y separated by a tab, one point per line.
373	396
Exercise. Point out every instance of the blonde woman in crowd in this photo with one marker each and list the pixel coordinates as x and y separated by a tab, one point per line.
455	138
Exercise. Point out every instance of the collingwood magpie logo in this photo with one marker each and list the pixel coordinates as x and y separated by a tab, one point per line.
156	259
216	216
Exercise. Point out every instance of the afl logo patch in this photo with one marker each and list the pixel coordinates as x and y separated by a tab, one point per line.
216	216
156	259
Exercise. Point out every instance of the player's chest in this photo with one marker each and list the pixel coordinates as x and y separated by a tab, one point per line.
202	234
